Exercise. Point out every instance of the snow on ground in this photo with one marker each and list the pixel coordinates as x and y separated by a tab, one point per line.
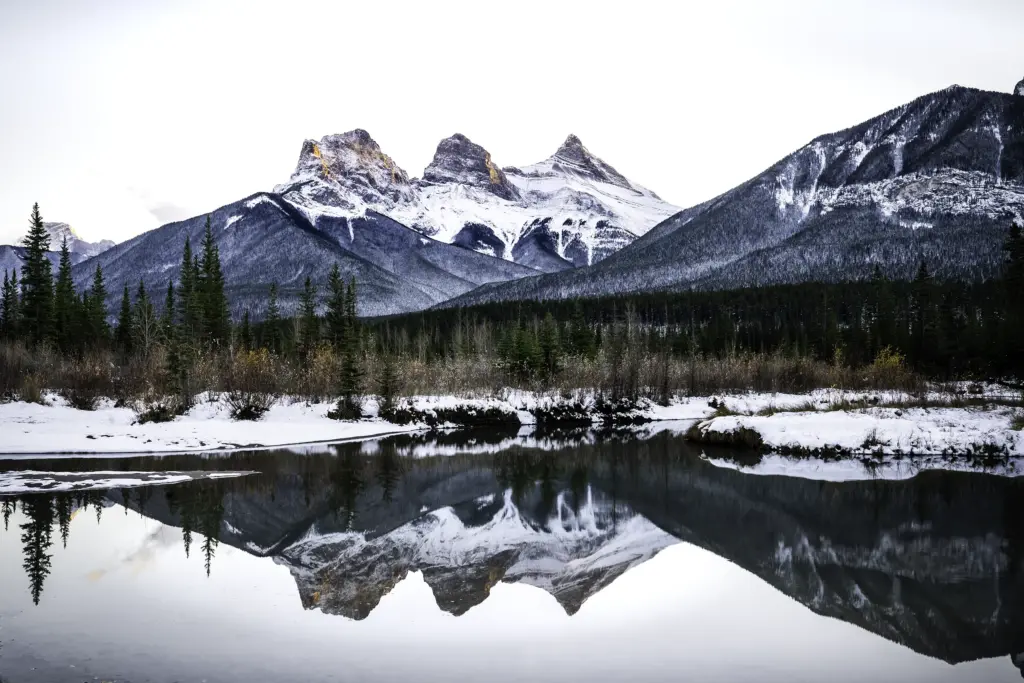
854	469
34	482
59	428
882	430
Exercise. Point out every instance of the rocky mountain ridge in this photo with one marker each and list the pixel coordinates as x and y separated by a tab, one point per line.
938	180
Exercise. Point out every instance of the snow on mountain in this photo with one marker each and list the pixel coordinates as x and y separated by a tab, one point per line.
79	248
11	256
464	551
1019	90
937	180
570	210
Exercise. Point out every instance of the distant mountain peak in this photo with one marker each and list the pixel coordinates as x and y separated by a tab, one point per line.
458	159
1019	90
79	248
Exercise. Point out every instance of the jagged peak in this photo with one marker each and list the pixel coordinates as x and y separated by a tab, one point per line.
574	158
458	159
353	155
1019	90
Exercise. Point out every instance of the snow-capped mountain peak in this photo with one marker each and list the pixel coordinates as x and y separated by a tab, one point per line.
352	162
572	158
571	210
459	160
79	248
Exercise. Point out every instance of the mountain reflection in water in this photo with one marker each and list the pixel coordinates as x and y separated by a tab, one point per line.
932	563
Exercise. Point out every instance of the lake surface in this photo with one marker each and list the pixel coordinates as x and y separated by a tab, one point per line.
486	556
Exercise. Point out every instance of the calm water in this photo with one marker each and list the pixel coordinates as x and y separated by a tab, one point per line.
493	557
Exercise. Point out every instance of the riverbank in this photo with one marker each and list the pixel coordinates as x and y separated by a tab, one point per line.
825	422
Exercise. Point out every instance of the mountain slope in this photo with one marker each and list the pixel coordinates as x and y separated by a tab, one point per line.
939	179
267	238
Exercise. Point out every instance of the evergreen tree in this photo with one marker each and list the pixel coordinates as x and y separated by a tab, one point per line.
245	333
95	308
308	324
146	328
216	323
65	317
123	333
550	348
337	313
350	382
10	314
189	311
272	325
36	282
167	316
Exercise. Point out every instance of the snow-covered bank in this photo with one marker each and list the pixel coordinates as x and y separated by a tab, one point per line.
812	425
50	482
951	431
58	428
866	467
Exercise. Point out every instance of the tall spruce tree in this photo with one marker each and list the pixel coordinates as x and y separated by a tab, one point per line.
272	325
36	282
214	303
167	315
350	381
189	310
336	312
245	333
94	306
308	323
65	317
10	315
123	333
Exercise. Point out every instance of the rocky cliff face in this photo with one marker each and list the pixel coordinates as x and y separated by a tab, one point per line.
79	248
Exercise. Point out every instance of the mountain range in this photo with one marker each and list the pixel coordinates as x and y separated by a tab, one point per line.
409	243
938	180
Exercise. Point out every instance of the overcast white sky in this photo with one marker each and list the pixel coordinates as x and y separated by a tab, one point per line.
119	116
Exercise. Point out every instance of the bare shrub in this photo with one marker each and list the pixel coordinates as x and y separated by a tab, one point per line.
251	383
84	382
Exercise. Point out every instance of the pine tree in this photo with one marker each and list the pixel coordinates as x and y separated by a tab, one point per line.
550	348
123	333
65	317
94	307
308	324
272	325
167	316
245	333
213	302
10	315
36	282
188	306
337	313
146	328
350	382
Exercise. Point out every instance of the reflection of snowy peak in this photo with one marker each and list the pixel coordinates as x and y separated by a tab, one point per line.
570	210
464	551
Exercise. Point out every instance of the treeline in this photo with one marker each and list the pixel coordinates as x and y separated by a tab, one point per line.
791	337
